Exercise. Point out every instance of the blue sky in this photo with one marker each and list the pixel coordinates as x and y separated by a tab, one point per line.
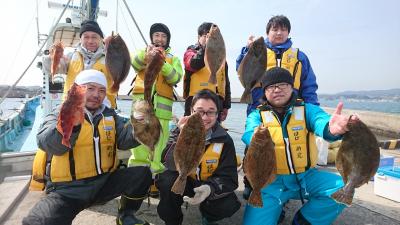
352	45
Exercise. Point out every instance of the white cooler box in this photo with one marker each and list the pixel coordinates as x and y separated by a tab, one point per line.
387	183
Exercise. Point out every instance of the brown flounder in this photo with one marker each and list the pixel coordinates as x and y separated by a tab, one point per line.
357	159
118	60
146	126
252	68
72	112
188	151
215	53
155	58
260	164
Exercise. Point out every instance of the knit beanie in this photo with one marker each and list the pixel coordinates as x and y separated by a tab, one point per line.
160	27
91	76
90	25
276	75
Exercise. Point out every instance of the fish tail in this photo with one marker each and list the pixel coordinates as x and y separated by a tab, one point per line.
344	197
115	87
65	142
255	199
246	97
179	185
213	79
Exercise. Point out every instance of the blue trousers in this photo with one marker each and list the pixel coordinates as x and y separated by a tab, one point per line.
316	187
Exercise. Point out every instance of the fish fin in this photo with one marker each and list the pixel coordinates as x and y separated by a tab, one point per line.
255	199
213	79
179	185
342	197
66	142
115	87
246	97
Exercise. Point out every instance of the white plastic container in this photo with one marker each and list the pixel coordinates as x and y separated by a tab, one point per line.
387	183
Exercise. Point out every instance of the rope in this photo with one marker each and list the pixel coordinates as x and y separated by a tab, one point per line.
37	54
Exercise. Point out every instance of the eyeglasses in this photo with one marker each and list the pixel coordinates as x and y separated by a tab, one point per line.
208	113
281	86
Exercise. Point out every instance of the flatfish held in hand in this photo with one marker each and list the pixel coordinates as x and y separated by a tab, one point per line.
146	126
260	164
72	112
252	68
155	58
357	159
215	53
189	150
56	54
118	60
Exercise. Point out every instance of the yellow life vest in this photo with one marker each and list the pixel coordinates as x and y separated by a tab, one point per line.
88	160
162	87
76	65
209	162
38	171
295	152
199	81
289	61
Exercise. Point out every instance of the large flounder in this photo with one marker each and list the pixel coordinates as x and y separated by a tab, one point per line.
252	68
118	60
155	58
146	126
260	164
357	159
215	53
72	112
188	151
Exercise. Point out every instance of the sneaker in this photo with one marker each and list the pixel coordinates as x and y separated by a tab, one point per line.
130	219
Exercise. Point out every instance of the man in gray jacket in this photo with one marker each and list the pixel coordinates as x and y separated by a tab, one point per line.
87	173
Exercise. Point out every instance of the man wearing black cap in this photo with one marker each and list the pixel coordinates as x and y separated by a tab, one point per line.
89	54
162	97
292	125
197	75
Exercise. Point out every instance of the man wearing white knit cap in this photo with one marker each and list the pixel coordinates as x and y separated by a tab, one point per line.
94	78
86	173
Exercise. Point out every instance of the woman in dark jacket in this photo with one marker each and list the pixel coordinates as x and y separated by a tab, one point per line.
216	178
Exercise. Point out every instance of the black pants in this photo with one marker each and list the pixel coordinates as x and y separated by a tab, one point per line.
169	207
66	200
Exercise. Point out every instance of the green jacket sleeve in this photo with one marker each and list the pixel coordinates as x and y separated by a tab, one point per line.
172	72
138	62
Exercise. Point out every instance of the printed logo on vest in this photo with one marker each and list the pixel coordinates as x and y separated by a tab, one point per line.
297	128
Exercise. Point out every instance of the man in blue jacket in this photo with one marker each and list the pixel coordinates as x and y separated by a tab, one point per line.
293	124
280	53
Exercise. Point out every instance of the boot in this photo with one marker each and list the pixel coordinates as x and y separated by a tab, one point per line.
299	219
126	212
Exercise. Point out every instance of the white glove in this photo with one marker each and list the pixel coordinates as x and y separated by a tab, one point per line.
201	193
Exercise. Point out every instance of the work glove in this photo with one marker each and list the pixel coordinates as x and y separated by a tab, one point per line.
200	194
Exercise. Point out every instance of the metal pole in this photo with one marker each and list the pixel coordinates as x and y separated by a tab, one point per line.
137	26
37	53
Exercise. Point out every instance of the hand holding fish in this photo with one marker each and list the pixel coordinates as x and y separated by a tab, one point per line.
338	122
182	121
200	194
250	40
